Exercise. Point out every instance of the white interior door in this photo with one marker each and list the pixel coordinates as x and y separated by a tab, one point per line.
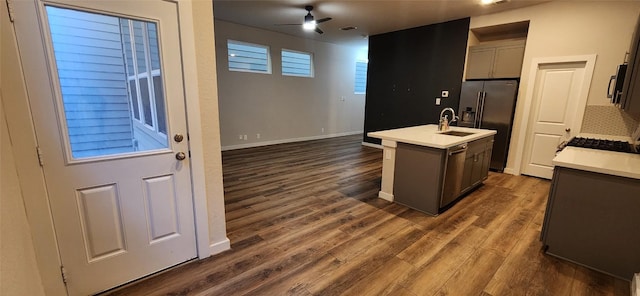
556	96
105	86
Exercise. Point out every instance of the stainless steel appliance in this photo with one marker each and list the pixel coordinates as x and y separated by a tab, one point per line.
603	144
490	104
452	185
617	81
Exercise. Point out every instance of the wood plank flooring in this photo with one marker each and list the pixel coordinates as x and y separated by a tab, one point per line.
304	219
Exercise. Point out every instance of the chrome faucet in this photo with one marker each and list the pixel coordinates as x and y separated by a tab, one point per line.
443	123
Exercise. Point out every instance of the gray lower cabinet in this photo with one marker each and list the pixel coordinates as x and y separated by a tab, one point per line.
593	219
476	164
428	179
418	177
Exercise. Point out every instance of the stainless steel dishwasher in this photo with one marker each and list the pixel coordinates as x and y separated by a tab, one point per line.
452	183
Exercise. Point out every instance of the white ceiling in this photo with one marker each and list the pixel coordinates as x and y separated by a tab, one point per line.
369	16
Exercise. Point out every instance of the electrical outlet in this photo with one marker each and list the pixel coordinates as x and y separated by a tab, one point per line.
323	130
342	98
244	137
257	136
437	101
445	94
239	137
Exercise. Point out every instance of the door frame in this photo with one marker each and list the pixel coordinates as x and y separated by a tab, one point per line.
526	117
31	174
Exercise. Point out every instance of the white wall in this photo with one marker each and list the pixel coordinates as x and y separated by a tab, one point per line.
18	269
567	28
210	125
283	108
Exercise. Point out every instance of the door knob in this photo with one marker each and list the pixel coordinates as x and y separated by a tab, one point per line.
181	156
567	129
178	138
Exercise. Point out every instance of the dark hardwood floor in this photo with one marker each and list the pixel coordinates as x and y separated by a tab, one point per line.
304	219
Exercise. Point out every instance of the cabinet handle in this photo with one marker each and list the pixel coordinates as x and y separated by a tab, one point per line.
476	119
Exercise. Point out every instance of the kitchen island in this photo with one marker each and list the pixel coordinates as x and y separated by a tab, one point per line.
593	212
426	169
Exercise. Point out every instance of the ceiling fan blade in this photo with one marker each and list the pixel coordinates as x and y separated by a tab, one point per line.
287	24
319	31
322	20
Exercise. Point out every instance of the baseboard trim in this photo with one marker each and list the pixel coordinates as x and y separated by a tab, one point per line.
292	140
509	171
219	247
371	145
385	196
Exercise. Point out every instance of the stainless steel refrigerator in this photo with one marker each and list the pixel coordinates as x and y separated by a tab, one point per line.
490	104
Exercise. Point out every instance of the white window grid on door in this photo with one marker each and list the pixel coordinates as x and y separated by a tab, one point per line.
137	76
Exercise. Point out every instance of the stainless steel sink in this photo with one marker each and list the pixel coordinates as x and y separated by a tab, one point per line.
456	133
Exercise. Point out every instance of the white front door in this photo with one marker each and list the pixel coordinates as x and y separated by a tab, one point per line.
556	95
106	90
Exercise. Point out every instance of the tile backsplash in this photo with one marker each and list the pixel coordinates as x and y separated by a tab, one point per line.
608	120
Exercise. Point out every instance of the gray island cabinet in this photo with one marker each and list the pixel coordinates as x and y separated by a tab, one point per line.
428	170
593	212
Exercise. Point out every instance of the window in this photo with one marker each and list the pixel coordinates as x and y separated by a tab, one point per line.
142	65
111	86
361	78
247	57
295	63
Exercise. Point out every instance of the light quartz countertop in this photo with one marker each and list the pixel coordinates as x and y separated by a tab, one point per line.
600	161
429	136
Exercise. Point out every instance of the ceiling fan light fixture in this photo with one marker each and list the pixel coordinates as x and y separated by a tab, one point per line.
309	26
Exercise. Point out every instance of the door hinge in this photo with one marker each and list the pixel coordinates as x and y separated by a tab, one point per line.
63	272
40	156
10	10
189	153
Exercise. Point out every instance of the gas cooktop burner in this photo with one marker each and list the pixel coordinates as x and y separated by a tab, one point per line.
610	145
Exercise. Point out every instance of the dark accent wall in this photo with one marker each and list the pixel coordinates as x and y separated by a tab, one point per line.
408	69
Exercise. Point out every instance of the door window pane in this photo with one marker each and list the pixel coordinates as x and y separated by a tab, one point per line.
153	46
157	88
126	45
134	99
103	73
146	103
140	46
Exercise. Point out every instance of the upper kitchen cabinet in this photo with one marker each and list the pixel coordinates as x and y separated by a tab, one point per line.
496	51
501	60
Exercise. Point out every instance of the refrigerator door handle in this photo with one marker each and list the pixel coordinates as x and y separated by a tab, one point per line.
609	93
481	114
476	119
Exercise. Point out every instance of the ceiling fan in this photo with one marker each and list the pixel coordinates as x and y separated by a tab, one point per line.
309	22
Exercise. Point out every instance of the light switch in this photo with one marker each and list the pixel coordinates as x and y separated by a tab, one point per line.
445	93
437	101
